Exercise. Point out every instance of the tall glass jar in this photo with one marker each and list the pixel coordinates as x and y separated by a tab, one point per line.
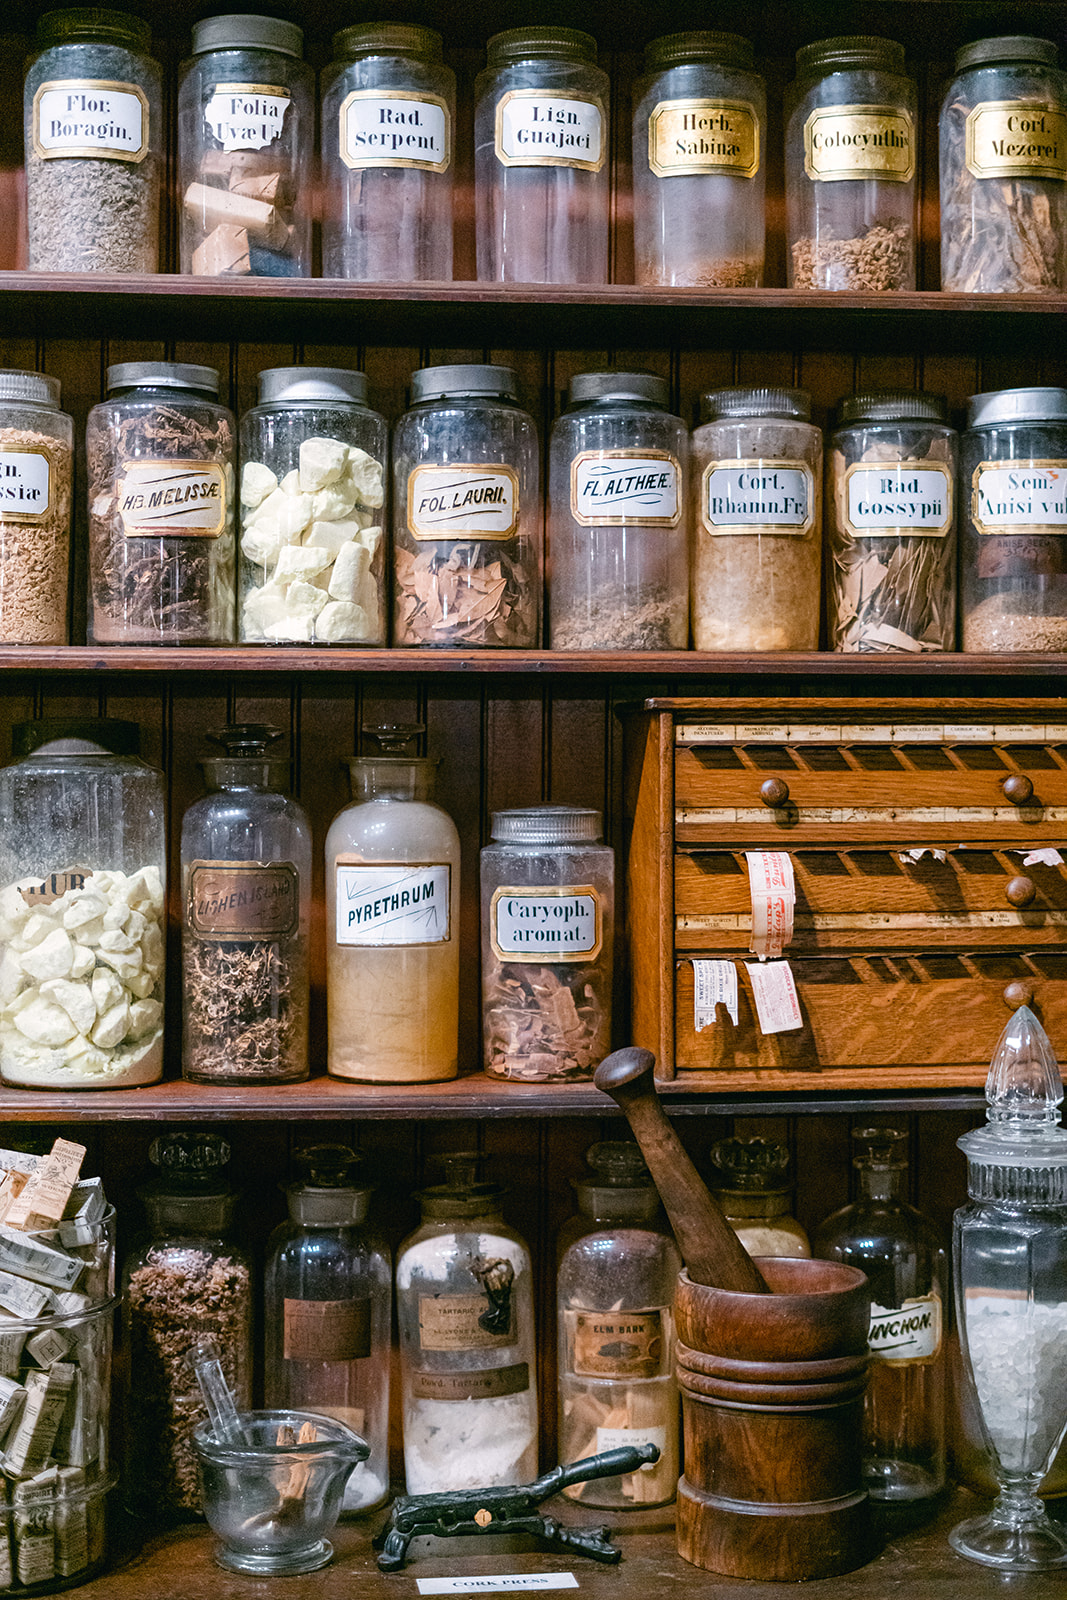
618	566
850	163
36	482
891	524
541	178
699	163
161	507
392	923
328	1311
246	148
313	459
388	113
82	920
751	1187
93	108
548	915
1003	167
466	512
756	521
246	910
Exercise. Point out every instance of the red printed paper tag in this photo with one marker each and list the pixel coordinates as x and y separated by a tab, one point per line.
770	878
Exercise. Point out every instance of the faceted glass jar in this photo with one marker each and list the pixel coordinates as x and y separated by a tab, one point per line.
82	919
37	462
388	114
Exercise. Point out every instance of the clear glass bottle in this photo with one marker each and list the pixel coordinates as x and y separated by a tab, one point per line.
246	149
392	922
541	177
548	926
618	564
388	113
464	1290
850	164
161	455
82	918
246	911
466	512
328	1298
618	1265
904	1407
751	1187
699	163
37	473
313	458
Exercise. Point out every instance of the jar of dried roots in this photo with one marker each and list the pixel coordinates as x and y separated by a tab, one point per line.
37	467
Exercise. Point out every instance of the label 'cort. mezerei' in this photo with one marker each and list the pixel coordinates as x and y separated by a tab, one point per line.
90	117
469	501
694	136
613	486
778	497
1016	139
535	128
387	903
163	497
394	128
842	142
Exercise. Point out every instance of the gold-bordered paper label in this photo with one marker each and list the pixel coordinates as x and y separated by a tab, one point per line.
743	497
842	142
246	116
546	925
25	483
638	486
616	1344
93	117
173	497
467	501
389	903
1016	139
695	136
395	128
1019	497
234	901
895	498
541	128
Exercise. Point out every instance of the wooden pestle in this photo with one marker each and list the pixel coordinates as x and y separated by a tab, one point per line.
711	1250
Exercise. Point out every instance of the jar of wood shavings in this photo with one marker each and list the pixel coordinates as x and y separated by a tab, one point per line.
36	474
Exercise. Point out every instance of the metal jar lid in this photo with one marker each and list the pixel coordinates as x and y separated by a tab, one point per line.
831	55
698	45
892	405
435	383
95	23
293	384
749	402
646	386
35	387
114	734
162	375
522	44
248	33
387	39
1017	405
1009	47
548	825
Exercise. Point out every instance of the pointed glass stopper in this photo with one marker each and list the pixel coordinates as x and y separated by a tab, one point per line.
1024	1089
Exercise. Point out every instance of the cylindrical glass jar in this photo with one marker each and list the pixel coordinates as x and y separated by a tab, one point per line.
246	146
541	178
161	507
93	108
388	114
618	566
313	459
37	475
699	163
891	525
548	914
850	162
757	521
751	1186
83	869
1013	533
1003	167
466	512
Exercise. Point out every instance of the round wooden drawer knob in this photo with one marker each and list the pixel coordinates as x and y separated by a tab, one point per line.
1019	994
774	792
1020	891
1017	789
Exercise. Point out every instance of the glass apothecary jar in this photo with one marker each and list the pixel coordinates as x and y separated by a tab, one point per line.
618	562
93	112
246	148
313	458
466	512
850	162
699	163
467	1359
328	1312
750	1179
756	521
1003	169
37	468
161	507
548	914
82	922
618	1266
388	114
1013	531
541	177
891	525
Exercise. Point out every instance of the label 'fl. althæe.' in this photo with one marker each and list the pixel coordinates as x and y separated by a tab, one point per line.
395	128
898	497
1016	139
777	497
546	925
389	903
90	117
468	501
860	141
695	136
535	128
613	486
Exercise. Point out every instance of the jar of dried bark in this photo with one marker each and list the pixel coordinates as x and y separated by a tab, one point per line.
36	476
850	162
1003	161
548	913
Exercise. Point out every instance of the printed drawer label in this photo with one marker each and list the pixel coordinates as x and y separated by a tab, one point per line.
246	116
546	925
90	117
911	1332
613	486
842	142
898	497
463	502
616	1344
777	497
25	484
379	128
238	900
326	1330
390	904
714	983
535	129
173	497
1016	139
695	136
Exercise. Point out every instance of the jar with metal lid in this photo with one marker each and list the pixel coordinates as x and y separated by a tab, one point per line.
388	113
618	566
541	178
82	922
161	507
699	163
93	110
37	474
757	521
313	459
548	924
891	524
1003	169
850	162
466	512
246	147
1013	549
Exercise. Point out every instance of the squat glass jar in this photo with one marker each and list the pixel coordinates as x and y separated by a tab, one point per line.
37	465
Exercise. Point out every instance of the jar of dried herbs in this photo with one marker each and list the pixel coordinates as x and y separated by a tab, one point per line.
161	507
36	476
466	512
891	525
1003	159
850	162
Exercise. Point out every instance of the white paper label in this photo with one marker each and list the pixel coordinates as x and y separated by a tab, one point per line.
776	497
1019	496
911	1332
546	925
534	129
613	486
627	1438
380	129
246	116
1045	856
714	983
773	892
899	497
90	117
390	905
775	994
497	1584
162	497
25	485
463	502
